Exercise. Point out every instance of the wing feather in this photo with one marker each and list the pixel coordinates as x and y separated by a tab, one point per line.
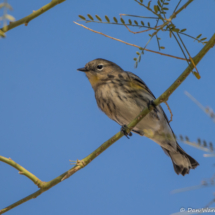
141	83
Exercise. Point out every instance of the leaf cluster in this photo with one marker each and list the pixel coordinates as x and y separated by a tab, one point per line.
159	11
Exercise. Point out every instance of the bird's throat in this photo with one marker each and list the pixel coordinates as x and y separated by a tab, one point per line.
93	78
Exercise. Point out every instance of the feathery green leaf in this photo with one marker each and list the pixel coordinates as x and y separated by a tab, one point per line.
106	17
98	18
82	17
122	20
90	17
198	36
115	19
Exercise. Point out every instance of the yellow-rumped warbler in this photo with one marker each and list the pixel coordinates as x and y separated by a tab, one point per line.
122	96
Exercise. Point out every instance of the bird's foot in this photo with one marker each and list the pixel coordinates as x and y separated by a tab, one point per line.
123	130
151	102
154	108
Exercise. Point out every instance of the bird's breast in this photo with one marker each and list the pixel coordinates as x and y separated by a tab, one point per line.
123	106
116	103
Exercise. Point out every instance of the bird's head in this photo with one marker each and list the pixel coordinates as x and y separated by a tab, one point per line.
100	70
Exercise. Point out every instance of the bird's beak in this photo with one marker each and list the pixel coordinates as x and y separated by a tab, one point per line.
84	69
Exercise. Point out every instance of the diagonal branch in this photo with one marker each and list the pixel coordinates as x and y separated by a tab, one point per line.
181	8
82	163
22	170
35	14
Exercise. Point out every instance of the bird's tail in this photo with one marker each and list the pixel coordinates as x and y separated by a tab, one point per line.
182	162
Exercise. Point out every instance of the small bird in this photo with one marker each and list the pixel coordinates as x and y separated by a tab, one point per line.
122	96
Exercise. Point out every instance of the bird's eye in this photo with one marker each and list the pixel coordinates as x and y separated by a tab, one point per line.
99	66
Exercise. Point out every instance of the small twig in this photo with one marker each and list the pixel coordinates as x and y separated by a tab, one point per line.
169	111
158	42
177	6
182	7
180	46
129	43
188	53
155	33
22	171
146	17
191	37
137	32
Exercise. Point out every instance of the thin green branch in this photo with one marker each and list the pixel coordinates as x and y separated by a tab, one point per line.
82	163
35	14
181	8
158	42
151	36
154	34
177	6
183	45
180	46
188	55
22	171
145	17
192	37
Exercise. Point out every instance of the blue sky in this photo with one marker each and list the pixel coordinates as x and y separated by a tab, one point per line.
49	114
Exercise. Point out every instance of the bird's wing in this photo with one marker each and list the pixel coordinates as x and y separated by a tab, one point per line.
141	83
